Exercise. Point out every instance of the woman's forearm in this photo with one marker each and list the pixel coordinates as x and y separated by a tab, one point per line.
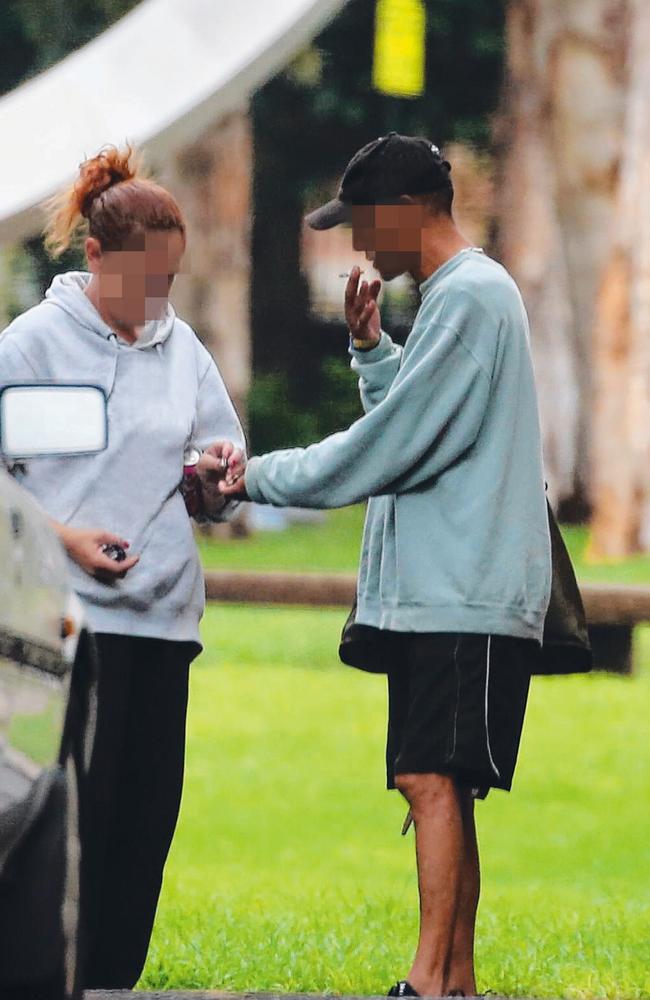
62	530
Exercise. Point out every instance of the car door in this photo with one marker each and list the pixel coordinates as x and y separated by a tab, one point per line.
34	675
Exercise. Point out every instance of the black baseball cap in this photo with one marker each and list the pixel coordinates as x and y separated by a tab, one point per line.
383	170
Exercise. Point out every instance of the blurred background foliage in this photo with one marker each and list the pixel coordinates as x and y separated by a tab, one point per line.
34	36
307	122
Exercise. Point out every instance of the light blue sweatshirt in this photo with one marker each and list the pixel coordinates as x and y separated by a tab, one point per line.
456	534
164	393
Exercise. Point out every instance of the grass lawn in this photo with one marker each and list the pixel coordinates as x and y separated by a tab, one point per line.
288	871
334	546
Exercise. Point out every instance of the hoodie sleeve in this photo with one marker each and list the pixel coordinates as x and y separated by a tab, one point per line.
14	366
216	420
376	370
429	418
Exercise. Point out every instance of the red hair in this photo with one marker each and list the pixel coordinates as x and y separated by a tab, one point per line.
116	199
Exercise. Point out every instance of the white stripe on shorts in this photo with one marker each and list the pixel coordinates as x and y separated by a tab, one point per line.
487	727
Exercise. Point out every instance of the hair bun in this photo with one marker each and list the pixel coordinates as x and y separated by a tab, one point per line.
101	172
114	194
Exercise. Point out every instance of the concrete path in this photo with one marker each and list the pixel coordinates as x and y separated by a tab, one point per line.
212	995
216	995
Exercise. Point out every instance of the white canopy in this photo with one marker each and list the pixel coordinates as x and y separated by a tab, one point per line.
157	78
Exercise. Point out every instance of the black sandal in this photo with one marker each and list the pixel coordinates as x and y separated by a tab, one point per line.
402	989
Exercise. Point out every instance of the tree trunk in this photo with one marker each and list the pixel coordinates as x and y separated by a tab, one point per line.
621	446
559	132
212	180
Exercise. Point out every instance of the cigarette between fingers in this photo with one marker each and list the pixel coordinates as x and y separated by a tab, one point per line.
346	274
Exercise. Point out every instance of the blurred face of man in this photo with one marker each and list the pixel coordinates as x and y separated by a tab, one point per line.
390	235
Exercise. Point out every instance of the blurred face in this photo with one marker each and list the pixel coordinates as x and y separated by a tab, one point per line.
390	235
134	282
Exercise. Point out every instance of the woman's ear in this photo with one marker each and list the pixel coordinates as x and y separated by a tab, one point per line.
94	254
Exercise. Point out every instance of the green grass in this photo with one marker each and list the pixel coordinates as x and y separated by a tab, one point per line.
333	546
288	871
633	570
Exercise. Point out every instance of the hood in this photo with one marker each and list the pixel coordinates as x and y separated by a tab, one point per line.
67	292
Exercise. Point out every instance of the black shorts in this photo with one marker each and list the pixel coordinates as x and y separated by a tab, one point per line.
457	705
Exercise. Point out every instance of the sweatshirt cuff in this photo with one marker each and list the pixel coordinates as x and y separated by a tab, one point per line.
377	353
251	480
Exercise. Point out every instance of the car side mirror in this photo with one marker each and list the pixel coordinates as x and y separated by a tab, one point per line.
45	420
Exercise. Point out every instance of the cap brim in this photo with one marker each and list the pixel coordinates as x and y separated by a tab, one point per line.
332	214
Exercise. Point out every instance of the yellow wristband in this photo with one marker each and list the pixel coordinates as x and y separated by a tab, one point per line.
363	345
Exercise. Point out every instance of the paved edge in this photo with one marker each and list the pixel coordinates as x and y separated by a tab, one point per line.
220	995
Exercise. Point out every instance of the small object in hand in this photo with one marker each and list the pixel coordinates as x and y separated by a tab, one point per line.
407	823
346	274
190	487
114	552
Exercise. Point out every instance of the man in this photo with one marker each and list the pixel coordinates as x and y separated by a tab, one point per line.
455	562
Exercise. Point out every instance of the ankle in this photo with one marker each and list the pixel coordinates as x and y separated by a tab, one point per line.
460	982
427	984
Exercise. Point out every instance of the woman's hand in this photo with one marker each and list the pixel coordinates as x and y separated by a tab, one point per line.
84	545
220	461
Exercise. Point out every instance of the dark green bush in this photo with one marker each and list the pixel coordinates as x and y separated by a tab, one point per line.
276	421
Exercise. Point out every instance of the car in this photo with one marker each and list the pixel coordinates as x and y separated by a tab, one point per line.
48	676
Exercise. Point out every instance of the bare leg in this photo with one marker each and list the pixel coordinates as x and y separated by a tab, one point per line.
461	966
437	813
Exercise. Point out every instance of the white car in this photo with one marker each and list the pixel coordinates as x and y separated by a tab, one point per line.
48	677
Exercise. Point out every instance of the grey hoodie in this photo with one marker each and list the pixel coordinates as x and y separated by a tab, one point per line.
163	393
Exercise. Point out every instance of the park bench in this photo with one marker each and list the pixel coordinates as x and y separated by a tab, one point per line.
613	611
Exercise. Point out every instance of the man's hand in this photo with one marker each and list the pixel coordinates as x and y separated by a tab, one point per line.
361	309
233	487
84	545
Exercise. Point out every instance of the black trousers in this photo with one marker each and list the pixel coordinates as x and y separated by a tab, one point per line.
130	799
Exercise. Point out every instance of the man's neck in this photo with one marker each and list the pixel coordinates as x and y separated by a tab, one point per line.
440	243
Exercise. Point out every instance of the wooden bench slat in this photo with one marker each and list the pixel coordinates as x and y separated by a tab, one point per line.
605	604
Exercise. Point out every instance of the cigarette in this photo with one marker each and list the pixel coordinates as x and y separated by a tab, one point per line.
346	274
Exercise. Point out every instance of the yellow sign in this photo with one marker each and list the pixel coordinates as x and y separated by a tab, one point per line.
398	65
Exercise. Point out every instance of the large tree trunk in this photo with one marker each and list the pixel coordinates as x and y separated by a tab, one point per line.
559	131
212	180
621	445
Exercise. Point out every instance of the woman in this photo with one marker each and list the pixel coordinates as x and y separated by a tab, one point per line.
113	326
